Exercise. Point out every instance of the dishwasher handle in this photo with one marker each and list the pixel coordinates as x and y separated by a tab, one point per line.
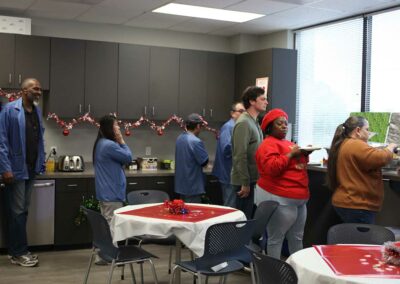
44	184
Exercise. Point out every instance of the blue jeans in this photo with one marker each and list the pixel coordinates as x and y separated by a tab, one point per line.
288	220
245	204
191	198
18	197
228	195
349	215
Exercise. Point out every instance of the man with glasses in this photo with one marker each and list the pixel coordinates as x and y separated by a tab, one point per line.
21	159
223	157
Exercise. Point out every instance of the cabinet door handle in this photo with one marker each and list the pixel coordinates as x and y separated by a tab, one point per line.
145	110
80	108
19	79
133	183
213	181
72	185
211	112
153	111
204	112
160	182
89	108
45	184
9	78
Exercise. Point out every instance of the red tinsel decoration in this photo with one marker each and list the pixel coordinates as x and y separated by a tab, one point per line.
10	96
176	207
159	129
391	253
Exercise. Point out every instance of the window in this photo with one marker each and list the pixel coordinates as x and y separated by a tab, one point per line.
329	81
385	62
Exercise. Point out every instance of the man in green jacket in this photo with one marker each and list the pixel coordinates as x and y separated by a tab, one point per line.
246	137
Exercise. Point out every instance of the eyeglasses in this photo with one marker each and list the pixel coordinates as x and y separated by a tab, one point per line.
239	110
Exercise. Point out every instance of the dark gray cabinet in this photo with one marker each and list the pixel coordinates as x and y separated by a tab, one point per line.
280	65
69	196
164	82
24	57
101	78
206	84
133	80
220	85
192	82
67	78
163	183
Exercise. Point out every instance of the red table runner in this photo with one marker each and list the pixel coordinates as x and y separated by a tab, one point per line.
357	260
196	213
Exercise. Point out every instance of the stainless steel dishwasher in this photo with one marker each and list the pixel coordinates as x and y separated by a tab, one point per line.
40	225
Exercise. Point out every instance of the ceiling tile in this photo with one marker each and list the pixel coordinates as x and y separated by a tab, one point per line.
134	5
56	9
299	2
107	15
350	7
156	20
15	5
89	2
262	6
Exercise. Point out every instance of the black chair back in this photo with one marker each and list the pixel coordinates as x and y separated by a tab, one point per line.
146	196
222	240
354	233
101	234
261	216
271	270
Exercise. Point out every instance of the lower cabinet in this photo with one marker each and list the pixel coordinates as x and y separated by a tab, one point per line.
164	183
69	196
213	190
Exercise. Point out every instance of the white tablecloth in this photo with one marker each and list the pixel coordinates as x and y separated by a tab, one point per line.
311	268
191	234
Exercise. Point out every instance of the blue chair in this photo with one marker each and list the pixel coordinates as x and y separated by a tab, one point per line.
354	233
222	241
103	246
270	270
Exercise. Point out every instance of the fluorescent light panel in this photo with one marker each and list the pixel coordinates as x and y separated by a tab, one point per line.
207	13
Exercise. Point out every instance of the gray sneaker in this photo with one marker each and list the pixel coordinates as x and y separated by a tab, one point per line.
29	254
24	260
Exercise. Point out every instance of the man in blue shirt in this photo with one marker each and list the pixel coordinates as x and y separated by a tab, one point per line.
190	158
223	157
21	159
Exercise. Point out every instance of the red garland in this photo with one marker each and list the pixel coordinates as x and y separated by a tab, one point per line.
10	96
176	207
159	129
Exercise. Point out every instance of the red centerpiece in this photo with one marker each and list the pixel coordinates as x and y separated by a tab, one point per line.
176	207
391	253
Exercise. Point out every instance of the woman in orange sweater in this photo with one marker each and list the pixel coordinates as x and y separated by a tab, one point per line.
354	172
282	167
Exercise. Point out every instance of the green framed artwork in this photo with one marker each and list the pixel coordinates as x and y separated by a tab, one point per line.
378	123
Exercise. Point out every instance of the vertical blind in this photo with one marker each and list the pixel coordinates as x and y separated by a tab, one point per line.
385	63
329	81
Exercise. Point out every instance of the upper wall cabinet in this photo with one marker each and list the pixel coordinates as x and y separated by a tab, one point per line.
280	65
192	82
101	78
164	82
206	84
24	57
133	81
220	85
67	78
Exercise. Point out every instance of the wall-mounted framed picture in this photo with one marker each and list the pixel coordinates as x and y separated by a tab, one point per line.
263	83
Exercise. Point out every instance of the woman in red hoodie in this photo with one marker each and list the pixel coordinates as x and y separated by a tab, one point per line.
282	168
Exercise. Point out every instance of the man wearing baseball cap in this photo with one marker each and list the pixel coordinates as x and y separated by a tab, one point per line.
190	158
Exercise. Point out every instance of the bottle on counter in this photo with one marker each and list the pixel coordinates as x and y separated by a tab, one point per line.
50	164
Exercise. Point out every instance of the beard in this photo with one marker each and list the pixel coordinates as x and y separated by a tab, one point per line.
33	99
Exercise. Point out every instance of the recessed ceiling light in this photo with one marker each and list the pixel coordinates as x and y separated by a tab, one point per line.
207	13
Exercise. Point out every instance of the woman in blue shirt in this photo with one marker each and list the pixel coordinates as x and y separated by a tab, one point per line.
110	154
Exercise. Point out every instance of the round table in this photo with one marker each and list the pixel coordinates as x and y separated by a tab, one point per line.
311	268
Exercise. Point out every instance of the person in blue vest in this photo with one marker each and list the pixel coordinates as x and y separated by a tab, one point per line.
190	158
22	157
223	156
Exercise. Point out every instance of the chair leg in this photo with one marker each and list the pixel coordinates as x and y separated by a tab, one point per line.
133	273
225	277
123	272
170	259
153	270
141	272
253	274
89	266
171	277
199	277
111	271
